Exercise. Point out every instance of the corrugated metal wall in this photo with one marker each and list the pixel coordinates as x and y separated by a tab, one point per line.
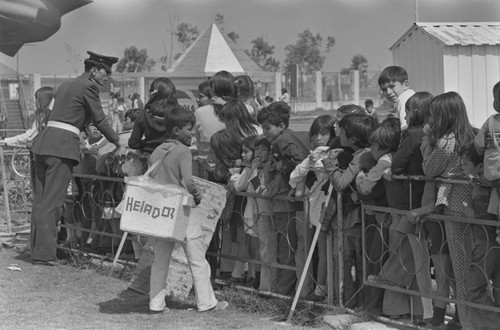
472	71
422	57
469	70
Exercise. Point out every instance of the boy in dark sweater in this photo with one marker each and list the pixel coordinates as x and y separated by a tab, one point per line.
288	149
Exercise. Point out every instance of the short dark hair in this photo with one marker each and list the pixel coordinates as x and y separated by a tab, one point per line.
368	102
262	141
132	114
249	142
358	126
275	114
178	117
348	109
226	146
387	134
204	88
392	73
469	152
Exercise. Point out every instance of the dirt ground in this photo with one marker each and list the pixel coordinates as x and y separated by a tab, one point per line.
64	297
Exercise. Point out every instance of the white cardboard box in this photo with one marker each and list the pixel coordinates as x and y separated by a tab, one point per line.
150	212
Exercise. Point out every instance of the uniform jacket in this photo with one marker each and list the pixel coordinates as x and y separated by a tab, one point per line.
76	103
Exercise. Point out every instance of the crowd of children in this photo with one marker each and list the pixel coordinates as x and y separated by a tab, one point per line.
280	180
358	156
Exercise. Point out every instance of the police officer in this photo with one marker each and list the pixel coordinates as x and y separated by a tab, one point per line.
56	150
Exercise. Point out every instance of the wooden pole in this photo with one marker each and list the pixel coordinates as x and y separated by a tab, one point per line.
340	253
330	267
309	257
117	255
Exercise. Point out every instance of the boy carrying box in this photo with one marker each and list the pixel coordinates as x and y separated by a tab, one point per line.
176	168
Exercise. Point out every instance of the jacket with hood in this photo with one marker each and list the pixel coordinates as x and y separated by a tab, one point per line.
149	126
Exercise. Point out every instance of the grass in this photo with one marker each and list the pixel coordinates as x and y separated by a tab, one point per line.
81	296
305	315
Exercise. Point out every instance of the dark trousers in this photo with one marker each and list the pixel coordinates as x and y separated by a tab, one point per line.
284	225
376	243
485	266
52	177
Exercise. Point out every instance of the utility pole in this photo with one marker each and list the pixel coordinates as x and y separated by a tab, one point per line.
416	11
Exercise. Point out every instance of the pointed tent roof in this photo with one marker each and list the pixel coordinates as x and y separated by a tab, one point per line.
213	51
7	71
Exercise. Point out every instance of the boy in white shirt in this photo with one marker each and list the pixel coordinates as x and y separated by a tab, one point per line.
394	84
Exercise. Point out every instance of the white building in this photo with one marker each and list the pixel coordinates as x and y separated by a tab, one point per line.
462	57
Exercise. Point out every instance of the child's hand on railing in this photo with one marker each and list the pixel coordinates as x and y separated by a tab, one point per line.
387	174
413	217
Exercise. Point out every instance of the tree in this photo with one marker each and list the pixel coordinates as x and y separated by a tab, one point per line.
360	63
330	42
307	52
233	36
186	34
135	60
219	20
261	53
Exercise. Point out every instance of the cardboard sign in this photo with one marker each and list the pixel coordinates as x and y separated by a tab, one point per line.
179	281
155	210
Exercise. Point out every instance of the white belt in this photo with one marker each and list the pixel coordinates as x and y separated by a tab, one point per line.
67	127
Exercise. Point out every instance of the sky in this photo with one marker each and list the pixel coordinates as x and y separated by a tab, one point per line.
367	27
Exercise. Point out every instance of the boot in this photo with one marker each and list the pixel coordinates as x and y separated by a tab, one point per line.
255	281
438	317
454	323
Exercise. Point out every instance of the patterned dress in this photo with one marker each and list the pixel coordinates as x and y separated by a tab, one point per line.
441	161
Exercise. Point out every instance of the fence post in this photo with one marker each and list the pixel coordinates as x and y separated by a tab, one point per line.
319	90
37	81
5	193
277	85
142	89
355	86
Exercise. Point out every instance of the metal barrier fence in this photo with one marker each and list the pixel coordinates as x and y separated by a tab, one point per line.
92	224
462	249
16	189
279	239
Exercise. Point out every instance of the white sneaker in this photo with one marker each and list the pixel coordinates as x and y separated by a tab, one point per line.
221	305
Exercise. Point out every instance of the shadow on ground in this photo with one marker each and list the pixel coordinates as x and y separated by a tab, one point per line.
129	301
